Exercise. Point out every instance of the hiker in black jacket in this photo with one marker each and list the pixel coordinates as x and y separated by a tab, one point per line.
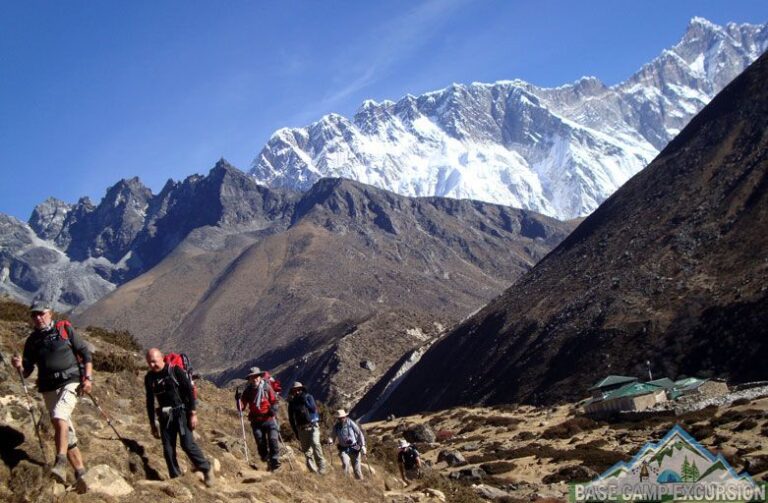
175	412
54	349
305	419
408	461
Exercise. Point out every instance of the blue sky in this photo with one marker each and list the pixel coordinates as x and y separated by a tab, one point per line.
91	92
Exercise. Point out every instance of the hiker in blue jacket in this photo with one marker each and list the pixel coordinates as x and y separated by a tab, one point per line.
350	442
305	419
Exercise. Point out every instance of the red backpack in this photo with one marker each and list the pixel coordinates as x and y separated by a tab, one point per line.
276	386
182	360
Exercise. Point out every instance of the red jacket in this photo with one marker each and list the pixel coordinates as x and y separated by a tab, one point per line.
261	402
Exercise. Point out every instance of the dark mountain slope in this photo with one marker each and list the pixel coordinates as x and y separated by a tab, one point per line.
347	258
673	268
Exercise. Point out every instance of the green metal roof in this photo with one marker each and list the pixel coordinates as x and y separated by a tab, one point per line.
689	383
632	389
664	382
612	381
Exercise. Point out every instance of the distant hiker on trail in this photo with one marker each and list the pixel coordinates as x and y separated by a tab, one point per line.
57	352
305	419
408	461
170	385
261	401
350	442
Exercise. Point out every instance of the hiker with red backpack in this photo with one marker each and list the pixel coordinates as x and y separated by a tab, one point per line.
172	387
64	371
261	402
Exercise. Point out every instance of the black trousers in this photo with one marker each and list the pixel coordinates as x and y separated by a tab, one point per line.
267	440
175	426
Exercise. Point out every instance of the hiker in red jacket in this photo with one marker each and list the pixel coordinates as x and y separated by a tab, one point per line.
261	402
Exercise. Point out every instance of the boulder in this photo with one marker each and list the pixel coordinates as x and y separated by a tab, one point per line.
489	492
103	479
472	473
420	433
452	458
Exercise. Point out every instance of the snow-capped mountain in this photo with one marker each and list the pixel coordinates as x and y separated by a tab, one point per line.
559	151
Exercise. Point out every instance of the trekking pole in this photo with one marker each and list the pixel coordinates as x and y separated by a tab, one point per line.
280	439
106	417
238	395
30	409
370	470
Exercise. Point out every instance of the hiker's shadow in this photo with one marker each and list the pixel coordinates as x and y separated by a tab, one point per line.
9	453
136	448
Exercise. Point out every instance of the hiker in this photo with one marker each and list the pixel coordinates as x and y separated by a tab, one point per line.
57	352
409	461
176	413
261	401
350	442
305	419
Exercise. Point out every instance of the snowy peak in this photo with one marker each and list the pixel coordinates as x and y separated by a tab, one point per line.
560	151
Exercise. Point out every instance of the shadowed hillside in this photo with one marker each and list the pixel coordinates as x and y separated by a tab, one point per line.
671	269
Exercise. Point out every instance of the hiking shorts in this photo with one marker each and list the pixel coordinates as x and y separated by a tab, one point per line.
61	403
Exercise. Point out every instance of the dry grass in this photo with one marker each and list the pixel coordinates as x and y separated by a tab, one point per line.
122	338
570	427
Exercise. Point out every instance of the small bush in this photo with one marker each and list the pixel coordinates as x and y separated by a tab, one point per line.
470	426
702	431
11	310
525	436
697	416
113	362
485	457
443	435
741	401
745	425
729	416
569	428
497	468
498	421
122	338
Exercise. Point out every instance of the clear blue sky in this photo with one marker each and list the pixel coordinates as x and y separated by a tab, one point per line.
95	91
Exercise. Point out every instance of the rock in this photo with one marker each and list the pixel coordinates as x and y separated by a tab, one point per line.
368	365
489	492
434	493
103	479
216	466
473	473
452	458
471	446
420	433
577	473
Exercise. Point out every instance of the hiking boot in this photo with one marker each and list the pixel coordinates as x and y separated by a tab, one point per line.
273	465
80	486
208	477
59	470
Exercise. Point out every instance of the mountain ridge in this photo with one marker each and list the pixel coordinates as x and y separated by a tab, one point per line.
559	151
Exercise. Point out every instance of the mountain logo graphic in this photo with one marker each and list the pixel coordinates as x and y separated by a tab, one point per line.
677	468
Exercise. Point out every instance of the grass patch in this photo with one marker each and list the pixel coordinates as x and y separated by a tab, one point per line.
11	310
497	467
113	362
569	428
122	338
